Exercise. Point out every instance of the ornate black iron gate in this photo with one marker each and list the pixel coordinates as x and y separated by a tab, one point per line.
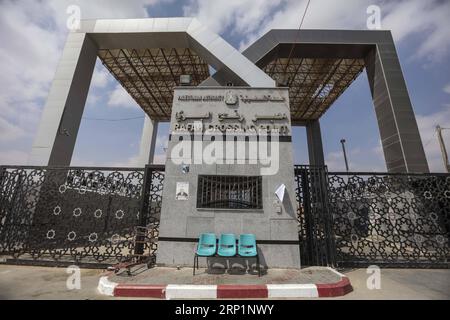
76	215
315	221
359	219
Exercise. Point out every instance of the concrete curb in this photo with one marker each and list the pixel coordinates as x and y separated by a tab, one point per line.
231	291
106	287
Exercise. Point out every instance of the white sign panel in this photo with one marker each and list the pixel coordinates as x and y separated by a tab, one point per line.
182	191
280	192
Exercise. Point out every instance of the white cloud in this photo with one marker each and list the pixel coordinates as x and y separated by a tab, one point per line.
28	58
99	9
13	157
33	35
251	19
80	162
371	160
132	161
241	15
135	160
427	19
322	14
447	88
120	98
101	76
162	141
9	131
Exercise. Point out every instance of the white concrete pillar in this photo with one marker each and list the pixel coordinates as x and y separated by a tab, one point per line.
61	117
148	142
399	133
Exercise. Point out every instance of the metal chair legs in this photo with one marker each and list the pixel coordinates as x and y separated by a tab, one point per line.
193	269
196	265
258	265
195	262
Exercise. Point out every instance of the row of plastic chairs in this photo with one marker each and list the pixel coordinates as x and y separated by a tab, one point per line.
226	247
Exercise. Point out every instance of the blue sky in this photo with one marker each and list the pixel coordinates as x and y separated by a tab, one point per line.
33	33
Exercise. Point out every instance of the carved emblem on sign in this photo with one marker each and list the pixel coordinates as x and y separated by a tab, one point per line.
230	98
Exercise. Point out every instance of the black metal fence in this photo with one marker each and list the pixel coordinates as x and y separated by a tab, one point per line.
78	215
89	216
359	219
391	219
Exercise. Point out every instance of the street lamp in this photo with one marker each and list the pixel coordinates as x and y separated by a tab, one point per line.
345	154
443	149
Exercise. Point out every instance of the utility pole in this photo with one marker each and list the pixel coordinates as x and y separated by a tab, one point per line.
345	154
443	149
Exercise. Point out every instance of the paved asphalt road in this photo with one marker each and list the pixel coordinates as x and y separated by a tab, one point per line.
23	282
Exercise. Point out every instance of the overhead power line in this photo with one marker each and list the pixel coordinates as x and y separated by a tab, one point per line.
299	27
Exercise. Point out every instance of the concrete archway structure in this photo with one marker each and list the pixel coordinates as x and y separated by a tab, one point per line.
63	110
400	138
336	57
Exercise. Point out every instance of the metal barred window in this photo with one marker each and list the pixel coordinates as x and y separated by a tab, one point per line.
229	192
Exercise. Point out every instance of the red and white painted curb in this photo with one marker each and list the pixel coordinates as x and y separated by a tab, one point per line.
233	291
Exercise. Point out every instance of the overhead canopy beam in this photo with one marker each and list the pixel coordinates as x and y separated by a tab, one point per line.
176	33
151	50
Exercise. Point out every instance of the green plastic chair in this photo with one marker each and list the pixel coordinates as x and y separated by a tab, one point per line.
247	245
207	246
227	245
247	248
